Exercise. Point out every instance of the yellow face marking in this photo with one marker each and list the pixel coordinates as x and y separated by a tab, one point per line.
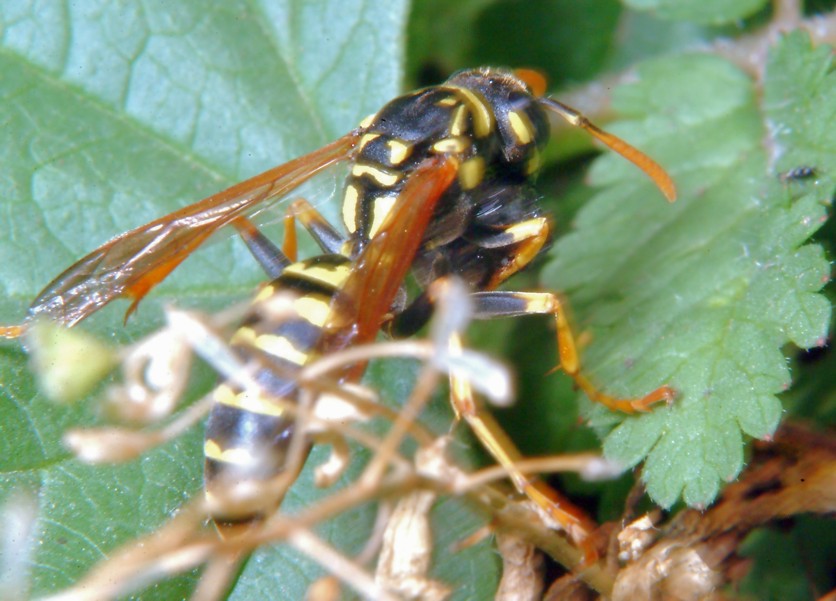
350	199
471	173
329	275
458	123
281	347
521	127
383	178
366	139
527	229
248	401
314	309
382	207
455	145
365	123
398	151
482	114
447	101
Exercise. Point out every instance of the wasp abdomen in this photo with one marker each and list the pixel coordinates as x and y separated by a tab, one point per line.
249	430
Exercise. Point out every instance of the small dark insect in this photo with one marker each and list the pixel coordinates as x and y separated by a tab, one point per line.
440	185
799	173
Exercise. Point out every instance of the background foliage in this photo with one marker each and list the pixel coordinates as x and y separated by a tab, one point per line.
113	115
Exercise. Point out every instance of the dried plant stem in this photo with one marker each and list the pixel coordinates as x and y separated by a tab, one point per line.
338	564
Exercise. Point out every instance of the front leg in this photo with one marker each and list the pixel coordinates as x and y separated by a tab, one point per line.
495	304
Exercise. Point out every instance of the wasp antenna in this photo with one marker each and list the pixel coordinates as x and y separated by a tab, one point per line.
653	169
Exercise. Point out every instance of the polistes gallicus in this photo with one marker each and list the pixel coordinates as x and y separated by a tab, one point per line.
440	186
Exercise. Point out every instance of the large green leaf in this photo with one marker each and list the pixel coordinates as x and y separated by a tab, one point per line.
115	114
703	294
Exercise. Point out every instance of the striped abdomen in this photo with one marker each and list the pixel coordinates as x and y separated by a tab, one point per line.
249	431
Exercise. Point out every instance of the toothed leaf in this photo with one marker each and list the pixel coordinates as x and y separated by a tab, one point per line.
703	294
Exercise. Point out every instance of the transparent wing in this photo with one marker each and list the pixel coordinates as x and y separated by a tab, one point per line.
131	264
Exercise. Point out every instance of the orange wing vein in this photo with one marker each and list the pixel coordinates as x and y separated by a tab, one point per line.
131	264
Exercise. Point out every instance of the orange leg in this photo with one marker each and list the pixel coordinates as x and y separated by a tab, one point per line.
290	246
320	229
273	259
509	304
557	509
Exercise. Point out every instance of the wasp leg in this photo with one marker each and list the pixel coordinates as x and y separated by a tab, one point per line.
274	259
290	246
320	229
494	304
499	248
527	238
412	318
327	238
556	508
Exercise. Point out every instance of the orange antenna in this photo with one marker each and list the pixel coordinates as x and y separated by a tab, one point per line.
653	169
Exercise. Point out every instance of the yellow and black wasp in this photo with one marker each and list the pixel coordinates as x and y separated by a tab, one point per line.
439	185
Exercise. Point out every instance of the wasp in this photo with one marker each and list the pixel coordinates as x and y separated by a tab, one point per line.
440	185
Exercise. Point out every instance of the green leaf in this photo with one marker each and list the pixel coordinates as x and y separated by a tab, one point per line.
798	97
700	11
703	294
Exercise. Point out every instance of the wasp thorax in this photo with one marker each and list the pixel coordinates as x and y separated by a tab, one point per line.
486	118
